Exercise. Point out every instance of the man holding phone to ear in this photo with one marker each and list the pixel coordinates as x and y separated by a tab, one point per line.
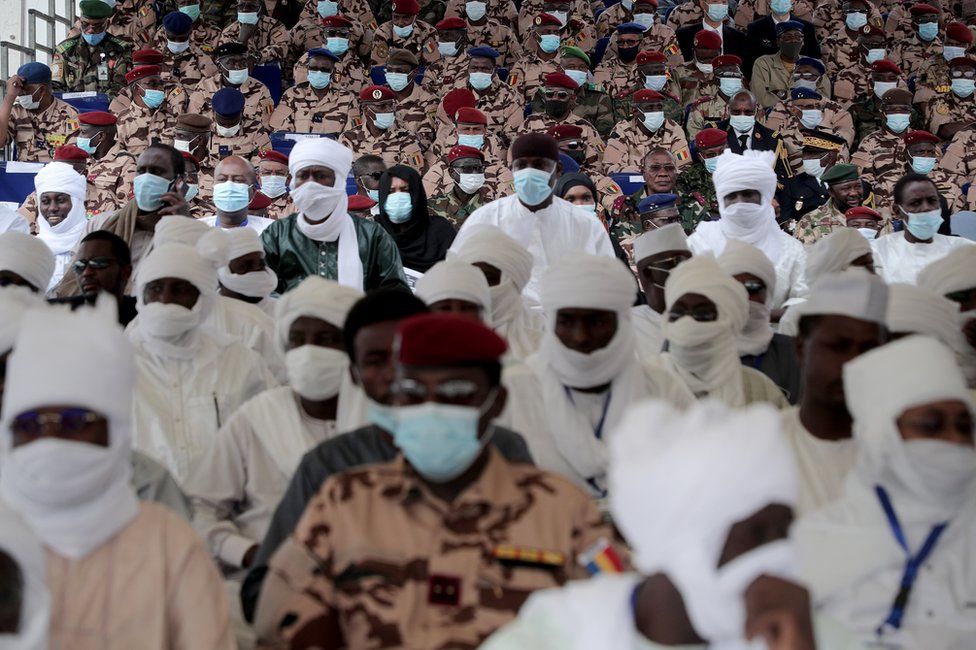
158	190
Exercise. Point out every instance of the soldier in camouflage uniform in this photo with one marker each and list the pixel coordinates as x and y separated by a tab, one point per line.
695	78
192	136
695	189
647	128
528	9
571	142
415	106
577	22
93	60
620	68
808	109
468	190
933	77
185	63
955	110
560	98
378	131
685	14
887	119
500	102
452	44
471	131
855	80
840	47
592	104
359	11
502	11
405	32
234	63
431	12
831	17
712	108
315	106
651	73
498	35
204	34
273	178
345	39
310	34
266	39
911	52
959	161
526	76
32	118
920	155
228	137
886	144
110	166
426	571
846	191
152	113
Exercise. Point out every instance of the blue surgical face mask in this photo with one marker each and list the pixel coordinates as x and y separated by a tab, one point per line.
373	194
532	185
653	120
579	76
874	54
403	32
781	7
327	8
742	123
193	11
148	188
950	52
94	39
398	207
475	10
729	85
476	140
177	47
718	12
711	164
247	17
811	118
383	120
655	81
963	87
318	79
273	185
923	164
479	80
381	415
805	83
85	144
230	196
153	98
447	49
549	43
192	189
397	81
337	45
928	31
644	20
897	122
627	4
881	87
855	20
237	77
923	225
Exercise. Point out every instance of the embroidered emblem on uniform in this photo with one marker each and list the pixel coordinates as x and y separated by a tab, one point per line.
682	155
601	558
511	554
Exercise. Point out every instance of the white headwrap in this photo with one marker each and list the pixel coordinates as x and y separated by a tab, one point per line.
667	238
748	222
455	279
329	203
678	487
241	241
750	170
14	303
62	178
28	257
17	541
73	495
835	252
176	229
255	284
913	310
740	257
854	293
11	221
954	272
704	355
315	297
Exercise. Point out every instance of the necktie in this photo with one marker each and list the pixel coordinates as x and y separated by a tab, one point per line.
743	139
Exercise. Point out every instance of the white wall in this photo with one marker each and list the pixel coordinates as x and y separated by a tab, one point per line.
13	26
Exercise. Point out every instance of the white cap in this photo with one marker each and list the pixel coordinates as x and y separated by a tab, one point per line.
667	238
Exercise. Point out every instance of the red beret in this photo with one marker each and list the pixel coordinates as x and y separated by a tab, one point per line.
546	19
646	95
862	212
457	99
375	93
360	202
193	159
710	138
451	23
259	202
70	152
565	131
141	72
726	59
469	115
914	137
336	21
885	65
559	2
871	30
411	7
97	118
274	156
962	61
147	57
650	57
922	8
959	32
709	39
460	151
560	80
446	340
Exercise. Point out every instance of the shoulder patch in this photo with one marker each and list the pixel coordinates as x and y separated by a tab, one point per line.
178	90
683	154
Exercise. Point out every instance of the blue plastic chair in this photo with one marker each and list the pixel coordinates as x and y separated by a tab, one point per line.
351	187
270	76
629	182
282	143
15	187
85	102
599	51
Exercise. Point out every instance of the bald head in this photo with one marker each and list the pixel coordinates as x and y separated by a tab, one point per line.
236	169
234	188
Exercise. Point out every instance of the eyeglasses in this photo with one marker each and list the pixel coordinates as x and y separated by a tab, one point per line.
700	314
754	286
374	175
655	169
450	391
71	421
557	94
96	264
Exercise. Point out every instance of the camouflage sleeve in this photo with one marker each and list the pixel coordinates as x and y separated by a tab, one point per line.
592	535
277	47
57	72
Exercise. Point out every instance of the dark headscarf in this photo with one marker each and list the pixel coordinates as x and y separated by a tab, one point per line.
427	237
567	182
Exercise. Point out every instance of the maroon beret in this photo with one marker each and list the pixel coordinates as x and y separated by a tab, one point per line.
959	32
915	136
461	151
141	72
70	152
469	115
862	212
275	156
147	57
546	19
922	8
457	99
97	118
885	65
446	340
647	95
360	202
259	202
375	93
650	56
411	7
451	23
336	21
565	131
710	137
708	38
560	80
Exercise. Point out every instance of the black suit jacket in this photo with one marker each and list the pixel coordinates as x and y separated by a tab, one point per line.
733	42
763	139
799	195
761	39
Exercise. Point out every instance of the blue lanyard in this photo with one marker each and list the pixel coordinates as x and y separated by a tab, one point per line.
598	430
912	564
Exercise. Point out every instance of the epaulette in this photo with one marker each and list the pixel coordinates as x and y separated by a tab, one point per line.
67	45
623	94
702	100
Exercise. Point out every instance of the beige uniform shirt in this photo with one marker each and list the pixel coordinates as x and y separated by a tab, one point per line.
772	81
38	133
302	110
630	142
396	145
138	126
258	104
268	43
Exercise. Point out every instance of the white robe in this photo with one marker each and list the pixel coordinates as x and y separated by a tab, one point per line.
897	260
548	234
822	466
253	222
648	331
791	284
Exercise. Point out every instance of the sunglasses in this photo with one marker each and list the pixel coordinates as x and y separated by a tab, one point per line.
96	264
700	314
71	421
754	286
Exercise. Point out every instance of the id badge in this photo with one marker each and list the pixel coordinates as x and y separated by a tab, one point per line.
103	72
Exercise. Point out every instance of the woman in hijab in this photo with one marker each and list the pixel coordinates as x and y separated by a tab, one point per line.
422	238
580	190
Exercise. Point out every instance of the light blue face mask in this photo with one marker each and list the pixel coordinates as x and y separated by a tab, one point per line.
447	49
532	185
383	120
897	122
94	39
781	7
963	87
805	83
475	10
85	144
193	11
403	32
950	52
397	81
337	45
479	80
718	12
381	415
148	188
230	196
855	20
729	85
653	120
711	164
153	98
327	8
655	81
247	17
589	207
881	87
273	185
318	79
476	140
579	76
923	164
742	123
192	189
237	77
373	194
928	31
644	20
923	225
398	207
549	43
874	54
440	441
811	118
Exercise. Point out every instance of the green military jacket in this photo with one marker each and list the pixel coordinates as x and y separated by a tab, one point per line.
78	67
696	196
448	205
293	256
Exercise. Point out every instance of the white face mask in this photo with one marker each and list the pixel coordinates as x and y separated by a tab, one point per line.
813	167
316	201
169	320
27	102
177	48
256	284
946	469
315	372
755	336
228	131
471	183
707	68
869	233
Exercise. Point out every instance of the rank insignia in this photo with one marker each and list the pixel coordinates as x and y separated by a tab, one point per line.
377	94
601	558
443	590
521	556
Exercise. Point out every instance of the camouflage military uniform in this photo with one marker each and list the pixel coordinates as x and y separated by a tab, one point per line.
203	35
308	35
358	11
498	179
828	18
415	112
418	573
446	72
218	12
138	127
868	119
504	11
949	109
396	146
696	196
630	142
112	175
819	222
280	207
592	104
188	68
258	105
624	78
878	149
708	111
660	38
529	9
884	184
499	36
496	154
898	24
685	14
501	104
912	53
77	66
133	20
349	73
840	51
959	159
37	134
449	206
750	10
693	83
932	80
97	201
247	145
594	143
268	43
623	103
529	73
615	14
422	42
835	120
303	111
431	13
854	82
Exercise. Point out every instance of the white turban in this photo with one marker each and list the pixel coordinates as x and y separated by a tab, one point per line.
455	279
17	541
14	303
62	177
315	297
954	272
748	222
489	244
913	310
196	264
586	281
323	152
242	241
740	257
74	498
854	293
678	487
175	229
666	238
750	170
28	257
835	252
703	275
11	221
